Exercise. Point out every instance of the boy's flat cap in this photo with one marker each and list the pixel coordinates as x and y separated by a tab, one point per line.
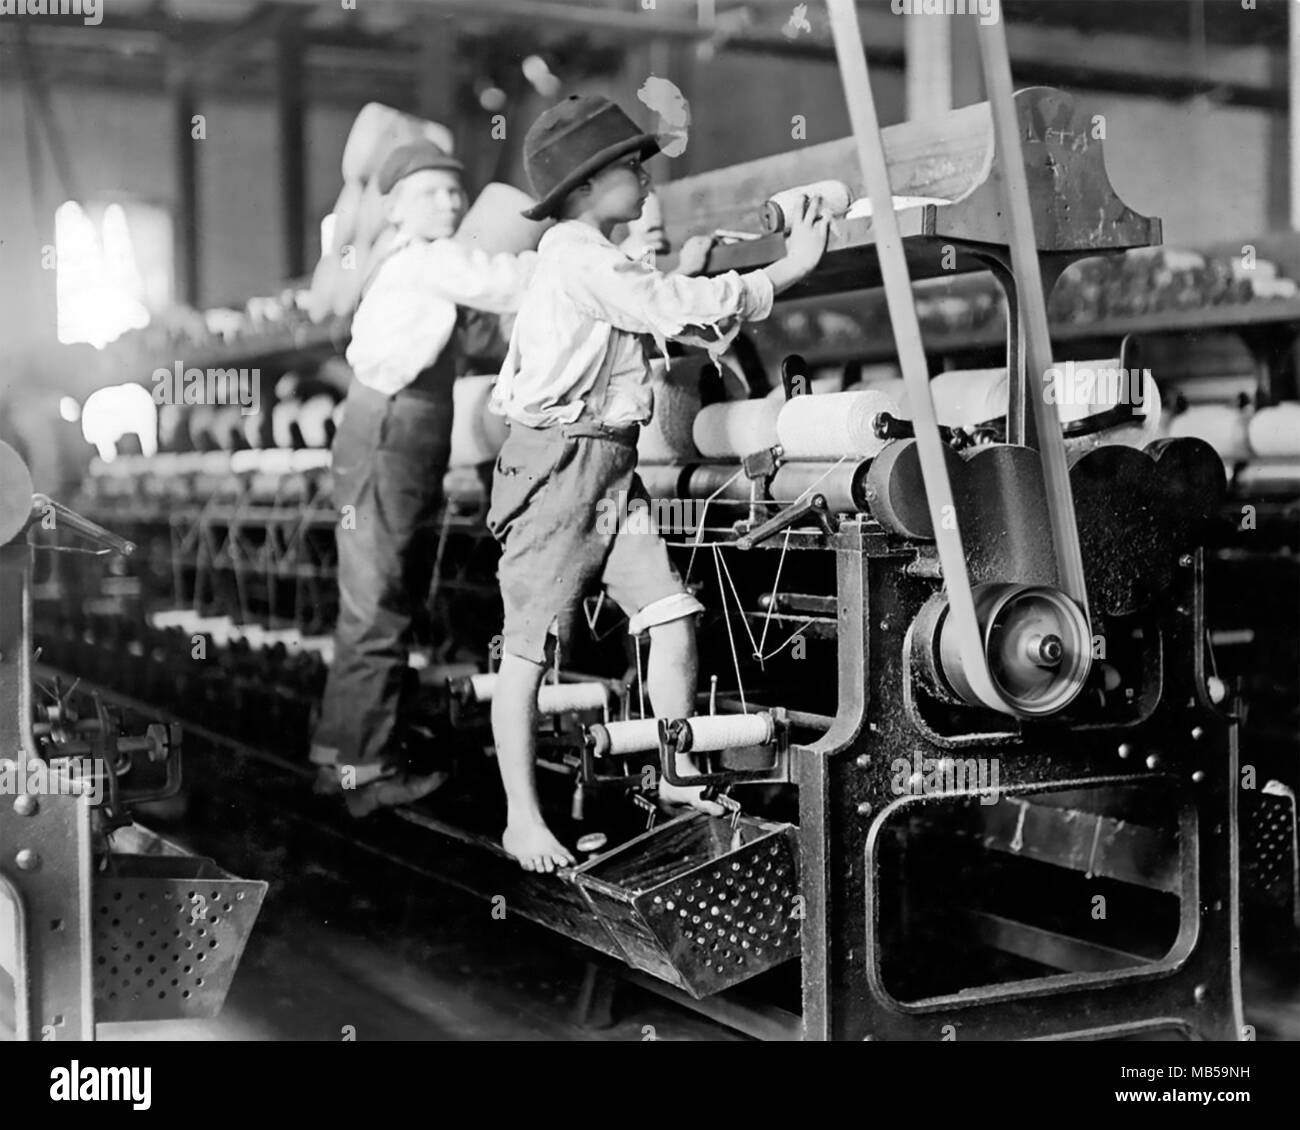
412	158
573	140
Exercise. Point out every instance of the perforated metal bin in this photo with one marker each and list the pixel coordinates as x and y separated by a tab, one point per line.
168	930
698	904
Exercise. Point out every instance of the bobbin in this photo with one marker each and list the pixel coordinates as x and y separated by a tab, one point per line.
714	733
552	698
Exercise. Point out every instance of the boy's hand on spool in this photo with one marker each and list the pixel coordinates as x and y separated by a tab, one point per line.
808	233
694	254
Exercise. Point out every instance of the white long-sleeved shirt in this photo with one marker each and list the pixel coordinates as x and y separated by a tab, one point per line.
578	336
408	312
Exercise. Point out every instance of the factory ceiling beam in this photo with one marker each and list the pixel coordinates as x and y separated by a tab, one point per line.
188	249
1111	61
289	110
215	60
1293	74
187	244
625	20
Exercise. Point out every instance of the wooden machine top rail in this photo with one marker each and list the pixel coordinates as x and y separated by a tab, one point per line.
952	157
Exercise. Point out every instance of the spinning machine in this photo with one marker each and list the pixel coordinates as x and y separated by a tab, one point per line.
957	697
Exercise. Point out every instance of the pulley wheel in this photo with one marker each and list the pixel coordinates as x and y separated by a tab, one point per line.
1036	643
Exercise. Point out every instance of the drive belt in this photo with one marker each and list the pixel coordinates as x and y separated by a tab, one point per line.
963	619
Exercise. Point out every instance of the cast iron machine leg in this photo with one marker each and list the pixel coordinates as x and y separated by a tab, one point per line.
45	850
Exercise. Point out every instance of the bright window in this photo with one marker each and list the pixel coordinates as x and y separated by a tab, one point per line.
114	269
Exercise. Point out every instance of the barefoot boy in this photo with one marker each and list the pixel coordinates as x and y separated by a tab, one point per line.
575	388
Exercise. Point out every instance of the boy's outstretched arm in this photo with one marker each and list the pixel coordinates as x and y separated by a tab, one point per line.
468	276
639	299
804	247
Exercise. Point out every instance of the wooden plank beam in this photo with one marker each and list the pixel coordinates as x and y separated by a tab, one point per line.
929	67
289	107
188	246
943	157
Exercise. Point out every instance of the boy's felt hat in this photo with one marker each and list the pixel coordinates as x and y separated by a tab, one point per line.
412	158
573	140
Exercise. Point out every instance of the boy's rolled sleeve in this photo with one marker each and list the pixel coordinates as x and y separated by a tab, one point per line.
759	295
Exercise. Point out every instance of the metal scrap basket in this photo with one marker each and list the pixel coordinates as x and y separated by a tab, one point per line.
168	931
699	904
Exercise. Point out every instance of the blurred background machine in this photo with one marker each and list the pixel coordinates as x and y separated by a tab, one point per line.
100	919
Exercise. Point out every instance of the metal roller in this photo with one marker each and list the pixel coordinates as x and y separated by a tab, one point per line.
843	486
709	478
664	480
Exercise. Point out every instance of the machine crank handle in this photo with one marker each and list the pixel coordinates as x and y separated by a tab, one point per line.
42	504
812	507
794	376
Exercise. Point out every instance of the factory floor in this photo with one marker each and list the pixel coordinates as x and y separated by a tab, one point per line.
352	942
349	940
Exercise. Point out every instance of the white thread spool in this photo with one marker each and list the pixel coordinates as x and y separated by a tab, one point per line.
377	130
252	428
476	433
838	425
557	698
345	212
309	459
779	211
1136	432
892	387
737	428
552	698
483	687
637	735
1274	432
966	397
495	223
324	282
283	416
371	217
660	480
227	426
1224	428
271	461
669	435
202	423
729	731
315	413
818	386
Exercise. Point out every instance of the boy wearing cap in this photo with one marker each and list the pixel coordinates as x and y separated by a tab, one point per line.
575	388
389	457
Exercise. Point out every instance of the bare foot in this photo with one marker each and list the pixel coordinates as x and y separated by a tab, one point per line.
688	794
532	843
